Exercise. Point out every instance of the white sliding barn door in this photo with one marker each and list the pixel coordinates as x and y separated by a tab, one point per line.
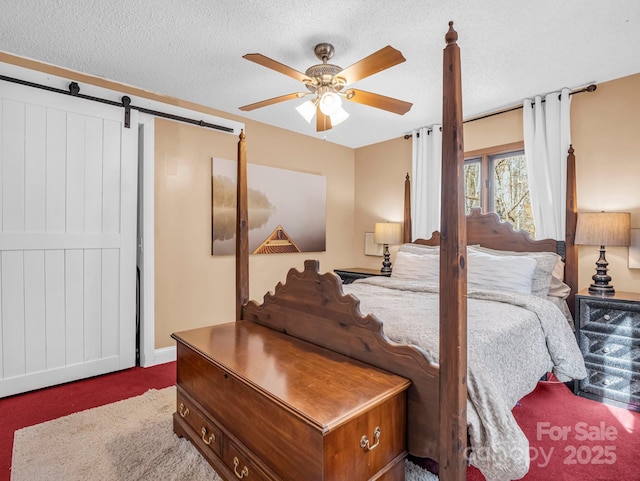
68	184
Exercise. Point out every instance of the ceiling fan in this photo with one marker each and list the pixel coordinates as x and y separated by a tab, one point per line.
330	83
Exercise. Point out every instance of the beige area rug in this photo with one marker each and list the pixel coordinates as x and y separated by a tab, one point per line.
124	441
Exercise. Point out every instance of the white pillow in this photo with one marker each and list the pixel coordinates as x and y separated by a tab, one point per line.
503	273
415	267
419	249
543	274
422	249
484	271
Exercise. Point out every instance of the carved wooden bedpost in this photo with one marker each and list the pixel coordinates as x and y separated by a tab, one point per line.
407	234
571	220
453	274
242	230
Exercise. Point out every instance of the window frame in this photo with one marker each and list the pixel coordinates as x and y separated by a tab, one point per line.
483	156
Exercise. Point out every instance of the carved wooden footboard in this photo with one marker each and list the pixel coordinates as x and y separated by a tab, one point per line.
312	307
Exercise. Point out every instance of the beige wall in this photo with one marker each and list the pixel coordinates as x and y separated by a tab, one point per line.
605	128
380	170
194	288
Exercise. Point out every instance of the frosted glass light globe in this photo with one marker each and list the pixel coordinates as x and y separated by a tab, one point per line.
330	103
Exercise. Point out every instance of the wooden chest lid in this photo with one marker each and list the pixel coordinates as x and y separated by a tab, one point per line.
325	387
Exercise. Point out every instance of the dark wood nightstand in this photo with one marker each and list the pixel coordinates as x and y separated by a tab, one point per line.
350	274
608	332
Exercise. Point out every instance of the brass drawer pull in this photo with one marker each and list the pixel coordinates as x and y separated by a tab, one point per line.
364	441
184	412
208	439
244	472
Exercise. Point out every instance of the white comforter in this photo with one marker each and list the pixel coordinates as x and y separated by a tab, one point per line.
513	340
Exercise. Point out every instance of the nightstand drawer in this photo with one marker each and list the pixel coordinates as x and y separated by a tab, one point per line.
600	316
610	350
611	383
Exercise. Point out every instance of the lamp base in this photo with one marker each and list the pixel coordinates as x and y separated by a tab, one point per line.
597	290
601	279
386	263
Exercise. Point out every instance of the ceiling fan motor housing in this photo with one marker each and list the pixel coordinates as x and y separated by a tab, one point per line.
324	74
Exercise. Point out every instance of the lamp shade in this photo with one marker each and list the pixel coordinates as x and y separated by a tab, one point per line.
387	233
339	116
603	228
307	110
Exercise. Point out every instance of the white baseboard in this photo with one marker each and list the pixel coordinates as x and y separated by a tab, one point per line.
161	356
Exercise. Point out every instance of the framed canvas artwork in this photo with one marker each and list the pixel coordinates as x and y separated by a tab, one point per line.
287	209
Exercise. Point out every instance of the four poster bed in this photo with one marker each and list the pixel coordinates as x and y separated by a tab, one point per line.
514	337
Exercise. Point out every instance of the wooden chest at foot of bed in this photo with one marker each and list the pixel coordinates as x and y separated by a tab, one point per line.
261	405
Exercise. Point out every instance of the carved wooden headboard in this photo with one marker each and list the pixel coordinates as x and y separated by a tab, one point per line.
487	230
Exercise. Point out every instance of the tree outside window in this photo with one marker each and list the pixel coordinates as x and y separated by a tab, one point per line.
496	181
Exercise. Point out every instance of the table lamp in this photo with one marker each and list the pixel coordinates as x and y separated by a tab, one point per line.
387	233
603	229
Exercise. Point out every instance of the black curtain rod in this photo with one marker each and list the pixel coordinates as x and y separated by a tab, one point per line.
589	88
74	91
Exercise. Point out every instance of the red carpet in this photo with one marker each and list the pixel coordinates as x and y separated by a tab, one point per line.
575	439
43	405
571	438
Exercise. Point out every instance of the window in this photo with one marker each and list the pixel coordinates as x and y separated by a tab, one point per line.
496	181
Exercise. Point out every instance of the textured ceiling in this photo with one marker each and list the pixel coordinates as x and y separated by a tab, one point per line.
192	49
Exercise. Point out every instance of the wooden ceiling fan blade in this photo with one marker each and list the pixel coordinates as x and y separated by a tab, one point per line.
378	101
376	62
277	66
274	100
323	122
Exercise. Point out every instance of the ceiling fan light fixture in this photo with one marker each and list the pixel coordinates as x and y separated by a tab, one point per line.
340	116
307	110
330	103
328	84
